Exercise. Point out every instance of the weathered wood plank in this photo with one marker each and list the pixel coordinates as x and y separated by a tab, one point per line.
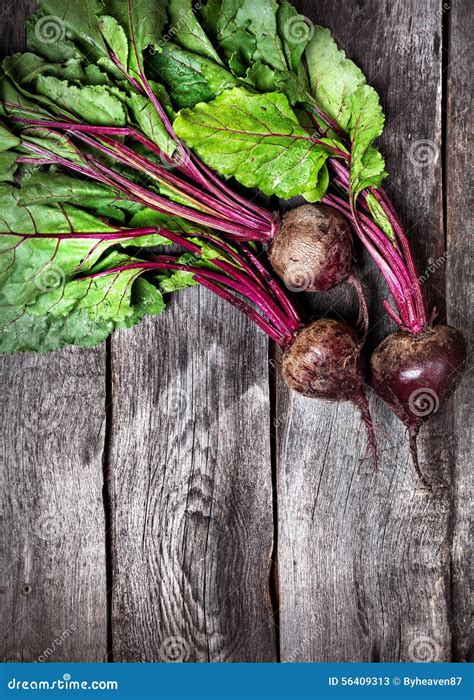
53	588
53	534
459	302
190	485
364	557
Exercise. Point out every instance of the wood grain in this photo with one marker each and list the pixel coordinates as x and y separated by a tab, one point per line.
364	557
190	485
459	302
53	589
52	583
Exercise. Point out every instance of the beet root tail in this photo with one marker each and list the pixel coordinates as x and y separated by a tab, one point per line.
363	405
362	322
413	434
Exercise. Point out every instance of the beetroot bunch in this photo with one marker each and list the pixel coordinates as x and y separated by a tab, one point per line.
120	127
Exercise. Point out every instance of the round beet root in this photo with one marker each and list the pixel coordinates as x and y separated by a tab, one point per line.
324	361
415	374
313	250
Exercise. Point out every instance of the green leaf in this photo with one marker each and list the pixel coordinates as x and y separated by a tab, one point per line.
295	32
55	143
7	139
54	291
116	38
150	122
266	79
176	281
317	193
143	24
150	217
380	217
48	188
365	125
333	77
255	138
14	103
26	67
8	166
187	31
189	78
57	47
209	13
76	19
28	265
248	36
95	104
83	313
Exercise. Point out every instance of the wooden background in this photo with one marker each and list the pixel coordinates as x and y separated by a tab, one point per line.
166	498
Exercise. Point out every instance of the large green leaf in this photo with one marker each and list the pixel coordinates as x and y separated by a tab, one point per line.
333	77
365	125
189	78
7	139
187	31
143	23
76	19
57	47
83	313
255	138
295	32
340	91
58	291
247	35
95	104
149	122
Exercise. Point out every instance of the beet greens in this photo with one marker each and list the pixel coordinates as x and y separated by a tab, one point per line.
117	136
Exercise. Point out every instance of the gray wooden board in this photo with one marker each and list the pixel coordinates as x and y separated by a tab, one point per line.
52	570
370	567
191	487
364	558
459	302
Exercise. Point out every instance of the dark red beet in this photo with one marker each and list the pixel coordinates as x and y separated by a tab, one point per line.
415	374
313	251
324	361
